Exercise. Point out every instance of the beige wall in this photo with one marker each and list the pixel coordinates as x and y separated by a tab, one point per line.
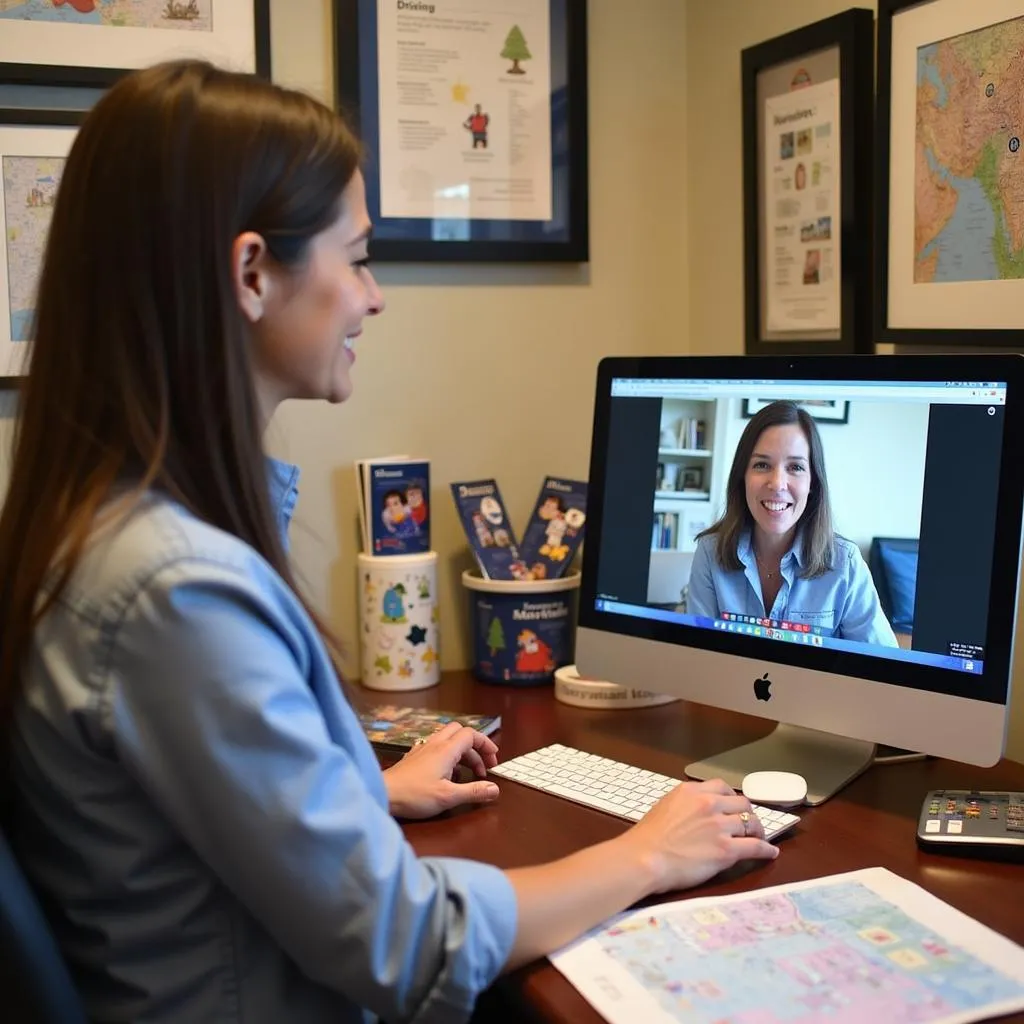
489	371
716	33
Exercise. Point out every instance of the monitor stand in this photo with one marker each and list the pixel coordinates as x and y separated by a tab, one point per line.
826	761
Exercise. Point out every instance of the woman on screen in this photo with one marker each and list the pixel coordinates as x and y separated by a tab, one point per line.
774	553
168	697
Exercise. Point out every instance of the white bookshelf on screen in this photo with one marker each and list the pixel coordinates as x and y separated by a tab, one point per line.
692	467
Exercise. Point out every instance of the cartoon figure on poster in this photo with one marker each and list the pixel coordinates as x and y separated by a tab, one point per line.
476	124
562	526
533	654
397	516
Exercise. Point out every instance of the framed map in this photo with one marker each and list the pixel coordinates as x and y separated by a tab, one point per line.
950	213
33	148
79	42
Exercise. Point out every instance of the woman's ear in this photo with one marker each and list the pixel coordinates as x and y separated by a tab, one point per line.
250	272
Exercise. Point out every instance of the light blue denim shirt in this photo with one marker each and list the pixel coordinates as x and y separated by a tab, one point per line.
203	815
841	603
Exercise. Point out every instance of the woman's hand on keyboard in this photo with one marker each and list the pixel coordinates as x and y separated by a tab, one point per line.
422	783
696	831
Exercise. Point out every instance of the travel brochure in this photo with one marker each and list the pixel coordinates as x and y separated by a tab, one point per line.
552	538
394	512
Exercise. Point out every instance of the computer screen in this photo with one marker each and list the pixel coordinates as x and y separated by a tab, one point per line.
829	542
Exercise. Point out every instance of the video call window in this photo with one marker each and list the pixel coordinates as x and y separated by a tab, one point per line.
821	514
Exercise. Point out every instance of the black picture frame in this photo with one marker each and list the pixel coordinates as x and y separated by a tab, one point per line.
961	334
92	77
826	411
850	35
28	117
563	239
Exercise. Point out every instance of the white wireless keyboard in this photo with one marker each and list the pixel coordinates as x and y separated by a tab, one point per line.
610	786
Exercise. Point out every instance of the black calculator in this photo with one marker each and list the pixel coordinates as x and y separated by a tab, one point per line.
983	823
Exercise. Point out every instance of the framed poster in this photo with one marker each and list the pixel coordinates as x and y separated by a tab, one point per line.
950	215
475	126
34	145
807	114
824	410
79	42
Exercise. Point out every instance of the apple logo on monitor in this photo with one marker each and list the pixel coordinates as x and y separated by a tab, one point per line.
763	688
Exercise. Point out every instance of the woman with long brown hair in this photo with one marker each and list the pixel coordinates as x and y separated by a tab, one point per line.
192	794
774	553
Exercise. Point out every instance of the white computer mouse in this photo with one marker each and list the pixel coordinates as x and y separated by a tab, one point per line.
775	789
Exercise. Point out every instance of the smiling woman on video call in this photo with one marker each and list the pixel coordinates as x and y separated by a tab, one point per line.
191	792
774	554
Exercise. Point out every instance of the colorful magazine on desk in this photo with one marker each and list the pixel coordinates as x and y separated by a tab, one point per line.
556	528
394	514
395	729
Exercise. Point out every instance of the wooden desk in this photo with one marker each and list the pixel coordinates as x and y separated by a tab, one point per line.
871	823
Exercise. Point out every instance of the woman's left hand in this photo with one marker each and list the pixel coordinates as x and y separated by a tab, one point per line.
420	785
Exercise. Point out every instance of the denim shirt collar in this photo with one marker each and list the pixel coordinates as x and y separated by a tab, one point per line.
284	492
745	551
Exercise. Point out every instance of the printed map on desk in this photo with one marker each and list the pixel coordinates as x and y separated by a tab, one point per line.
847	949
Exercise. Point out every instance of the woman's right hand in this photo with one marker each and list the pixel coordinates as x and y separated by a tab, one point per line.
696	831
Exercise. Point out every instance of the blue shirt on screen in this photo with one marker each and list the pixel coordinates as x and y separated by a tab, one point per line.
841	603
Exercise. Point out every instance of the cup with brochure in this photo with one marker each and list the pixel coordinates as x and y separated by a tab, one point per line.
394	509
397	582
522	595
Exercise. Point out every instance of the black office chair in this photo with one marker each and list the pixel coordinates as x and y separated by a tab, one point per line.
33	977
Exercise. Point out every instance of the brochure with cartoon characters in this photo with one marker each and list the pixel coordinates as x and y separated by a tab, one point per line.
556	528
394	513
486	523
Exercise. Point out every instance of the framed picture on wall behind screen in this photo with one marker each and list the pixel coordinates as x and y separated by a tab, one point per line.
79	42
474	119
807	110
950	149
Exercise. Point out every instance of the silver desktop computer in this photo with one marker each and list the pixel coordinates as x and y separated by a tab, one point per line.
832	543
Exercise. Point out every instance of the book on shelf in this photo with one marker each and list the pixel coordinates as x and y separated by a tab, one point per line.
692	434
394	512
394	729
666	530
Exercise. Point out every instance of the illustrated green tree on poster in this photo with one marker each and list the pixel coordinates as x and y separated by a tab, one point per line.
496	637
516	50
